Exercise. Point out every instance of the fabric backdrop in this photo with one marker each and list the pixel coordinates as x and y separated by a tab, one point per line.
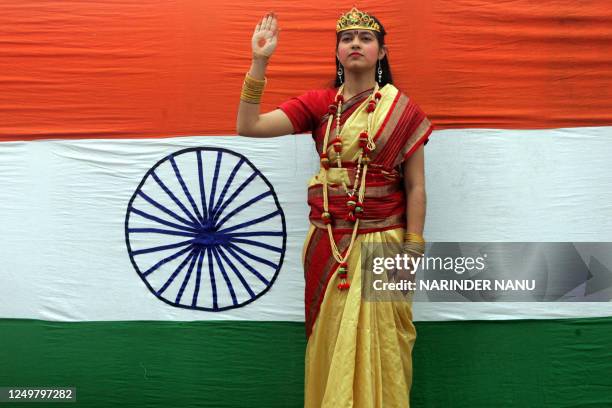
111	111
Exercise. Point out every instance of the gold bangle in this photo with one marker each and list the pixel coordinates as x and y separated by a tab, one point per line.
248	99
252	89
413	237
414	249
254	81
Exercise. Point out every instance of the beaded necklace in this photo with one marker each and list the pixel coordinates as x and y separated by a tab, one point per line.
357	193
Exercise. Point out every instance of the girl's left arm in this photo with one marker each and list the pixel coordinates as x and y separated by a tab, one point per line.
414	186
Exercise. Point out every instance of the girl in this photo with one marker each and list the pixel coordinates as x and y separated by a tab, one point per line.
370	189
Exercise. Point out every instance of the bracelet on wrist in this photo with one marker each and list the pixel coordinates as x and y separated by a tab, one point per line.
413	237
415	249
252	89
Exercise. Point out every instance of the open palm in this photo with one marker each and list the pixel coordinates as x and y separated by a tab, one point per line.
265	36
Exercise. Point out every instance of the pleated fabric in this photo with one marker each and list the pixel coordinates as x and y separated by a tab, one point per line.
359	353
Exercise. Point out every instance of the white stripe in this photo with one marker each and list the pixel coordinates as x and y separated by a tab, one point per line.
518	186
63	206
442	311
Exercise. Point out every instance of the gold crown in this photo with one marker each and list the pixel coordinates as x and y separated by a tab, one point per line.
356	19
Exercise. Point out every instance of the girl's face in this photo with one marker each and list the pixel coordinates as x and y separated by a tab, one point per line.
359	50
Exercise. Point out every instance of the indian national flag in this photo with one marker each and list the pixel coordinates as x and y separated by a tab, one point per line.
150	257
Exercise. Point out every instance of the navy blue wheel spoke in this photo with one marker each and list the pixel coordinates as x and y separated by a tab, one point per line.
187	275
226	186
227	280
177	172
250	255
162	231
202	189
165	260
257	244
213	282
163	247
196	291
176	272
166	210
242	207
252	222
256	234
234	195
235	270
160	221
246	265
214	185
174	198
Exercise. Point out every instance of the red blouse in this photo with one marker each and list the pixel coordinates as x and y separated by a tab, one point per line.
306	111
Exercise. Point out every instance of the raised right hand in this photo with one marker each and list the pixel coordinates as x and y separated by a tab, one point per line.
265	36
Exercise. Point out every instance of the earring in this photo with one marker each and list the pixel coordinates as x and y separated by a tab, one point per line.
379	72
340	72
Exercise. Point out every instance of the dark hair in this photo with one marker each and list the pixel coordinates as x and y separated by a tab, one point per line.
386	77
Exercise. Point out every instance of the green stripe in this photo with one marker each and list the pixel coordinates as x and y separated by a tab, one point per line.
526	363
516	363
158	364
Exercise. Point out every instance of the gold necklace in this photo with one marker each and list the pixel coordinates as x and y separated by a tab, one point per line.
357	194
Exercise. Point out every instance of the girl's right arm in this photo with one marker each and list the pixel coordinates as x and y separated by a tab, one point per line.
249	121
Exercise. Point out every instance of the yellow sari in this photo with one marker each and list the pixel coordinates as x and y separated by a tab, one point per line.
359	354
